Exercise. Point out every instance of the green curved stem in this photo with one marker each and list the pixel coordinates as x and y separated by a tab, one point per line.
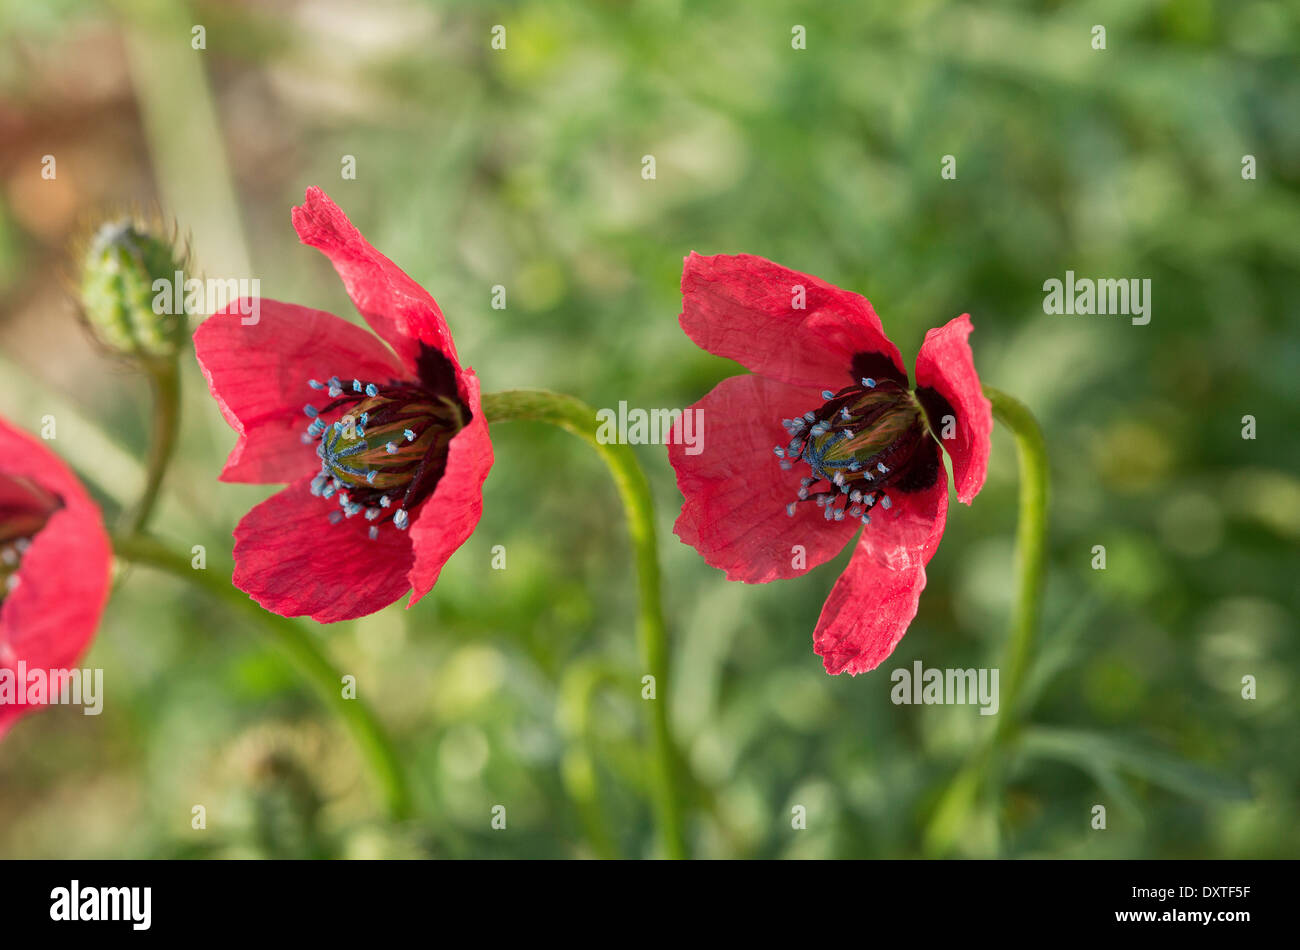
576	417
954	807
1031	548
302	651
164	378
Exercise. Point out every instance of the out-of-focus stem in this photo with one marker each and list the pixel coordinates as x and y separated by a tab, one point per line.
574	416
301	650
164	378
954	807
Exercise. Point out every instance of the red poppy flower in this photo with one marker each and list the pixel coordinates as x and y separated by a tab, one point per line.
54	564
824	438
385	450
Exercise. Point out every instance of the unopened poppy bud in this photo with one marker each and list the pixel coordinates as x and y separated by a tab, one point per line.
130	280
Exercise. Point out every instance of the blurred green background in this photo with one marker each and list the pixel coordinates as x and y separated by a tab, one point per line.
522	167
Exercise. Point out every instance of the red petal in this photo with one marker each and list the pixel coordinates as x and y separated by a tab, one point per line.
735	491
872	604
399	309
292	561
449	517
49	619
742	307
945	364
258	376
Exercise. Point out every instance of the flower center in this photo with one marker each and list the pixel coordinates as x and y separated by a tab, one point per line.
25	508
384	450
860	442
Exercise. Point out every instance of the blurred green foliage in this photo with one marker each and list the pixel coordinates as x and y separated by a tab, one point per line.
522	167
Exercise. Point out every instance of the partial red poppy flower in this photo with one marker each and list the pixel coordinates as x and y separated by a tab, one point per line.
54	565
824	438
385	450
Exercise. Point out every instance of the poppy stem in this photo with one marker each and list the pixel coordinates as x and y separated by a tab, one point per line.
299	648
576	417
1031	548
164	379
951	815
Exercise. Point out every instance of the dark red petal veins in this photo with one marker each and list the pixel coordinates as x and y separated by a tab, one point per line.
395	306
873	602
737	506
778	322
292	561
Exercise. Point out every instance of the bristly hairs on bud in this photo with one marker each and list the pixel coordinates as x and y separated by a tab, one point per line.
116	262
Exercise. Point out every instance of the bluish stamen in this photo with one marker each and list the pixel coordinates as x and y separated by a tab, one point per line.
372	390
868	382
310	411
410	436
315	384
827	394
374	532
400	519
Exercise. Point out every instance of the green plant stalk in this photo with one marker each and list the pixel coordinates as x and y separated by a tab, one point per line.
954	807
576	417
300	649
1031	549
164	379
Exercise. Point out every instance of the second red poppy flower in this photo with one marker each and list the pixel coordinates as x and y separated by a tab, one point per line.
825	437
